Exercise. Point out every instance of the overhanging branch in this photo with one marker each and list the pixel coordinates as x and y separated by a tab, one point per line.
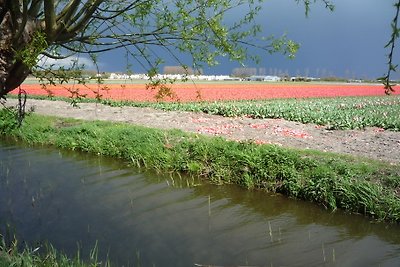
50	19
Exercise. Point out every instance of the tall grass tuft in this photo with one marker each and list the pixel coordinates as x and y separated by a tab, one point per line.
43	256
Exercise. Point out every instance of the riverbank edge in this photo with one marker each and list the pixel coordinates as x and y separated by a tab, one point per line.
334	181
356	185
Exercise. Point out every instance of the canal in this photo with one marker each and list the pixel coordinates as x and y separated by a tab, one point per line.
78	201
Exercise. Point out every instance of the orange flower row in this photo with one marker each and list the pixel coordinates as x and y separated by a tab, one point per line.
207	92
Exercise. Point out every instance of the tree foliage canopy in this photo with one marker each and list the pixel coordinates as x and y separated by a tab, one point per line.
205	29
59	28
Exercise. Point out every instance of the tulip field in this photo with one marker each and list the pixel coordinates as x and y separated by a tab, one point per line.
338	106
335	113
188	92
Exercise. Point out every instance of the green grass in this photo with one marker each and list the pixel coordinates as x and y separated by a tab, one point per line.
353	184
335	113
43	256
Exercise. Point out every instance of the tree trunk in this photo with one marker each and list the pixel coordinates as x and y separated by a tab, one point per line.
12	70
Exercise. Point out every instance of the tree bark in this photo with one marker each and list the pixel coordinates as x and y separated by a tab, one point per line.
13	71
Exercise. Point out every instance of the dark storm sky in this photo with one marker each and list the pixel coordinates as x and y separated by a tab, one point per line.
348	42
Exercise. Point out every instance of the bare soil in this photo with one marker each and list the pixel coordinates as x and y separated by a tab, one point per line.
371	143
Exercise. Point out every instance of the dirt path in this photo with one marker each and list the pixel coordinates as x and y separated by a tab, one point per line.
372	142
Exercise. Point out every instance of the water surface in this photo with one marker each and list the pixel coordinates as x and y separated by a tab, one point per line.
137	218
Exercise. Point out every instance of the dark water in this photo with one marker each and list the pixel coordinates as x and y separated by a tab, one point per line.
74	200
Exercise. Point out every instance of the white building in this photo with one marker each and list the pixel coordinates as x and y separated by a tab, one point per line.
264	78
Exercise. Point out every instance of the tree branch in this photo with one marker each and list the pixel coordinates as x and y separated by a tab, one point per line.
55	56
50	19
20	31
391	44
14	7
35	8
84	16
68	11
116	12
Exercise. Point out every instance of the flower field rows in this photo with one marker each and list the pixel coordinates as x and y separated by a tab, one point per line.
337	106
187	92
336	113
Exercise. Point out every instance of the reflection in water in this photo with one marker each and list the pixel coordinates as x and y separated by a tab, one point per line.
73	200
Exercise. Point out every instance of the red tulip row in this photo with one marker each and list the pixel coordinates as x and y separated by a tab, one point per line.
207	92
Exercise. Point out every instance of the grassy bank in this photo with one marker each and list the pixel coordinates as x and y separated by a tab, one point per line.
355	185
